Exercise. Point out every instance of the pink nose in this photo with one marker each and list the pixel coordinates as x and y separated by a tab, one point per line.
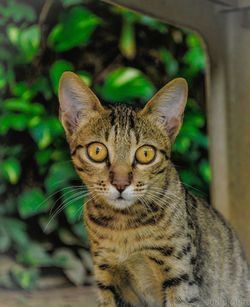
120	177
120	184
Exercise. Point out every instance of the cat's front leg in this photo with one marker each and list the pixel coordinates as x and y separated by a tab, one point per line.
106	290
105	296
181	292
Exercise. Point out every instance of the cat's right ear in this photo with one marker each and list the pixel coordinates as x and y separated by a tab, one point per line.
166	108
77	102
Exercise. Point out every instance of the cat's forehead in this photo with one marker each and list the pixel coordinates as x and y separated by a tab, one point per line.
120	126
123	124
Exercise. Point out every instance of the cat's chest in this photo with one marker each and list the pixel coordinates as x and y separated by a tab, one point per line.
124	246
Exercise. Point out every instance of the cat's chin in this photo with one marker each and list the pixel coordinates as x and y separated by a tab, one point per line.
120	203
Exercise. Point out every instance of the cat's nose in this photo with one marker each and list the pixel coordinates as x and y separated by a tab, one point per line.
120	185
120	177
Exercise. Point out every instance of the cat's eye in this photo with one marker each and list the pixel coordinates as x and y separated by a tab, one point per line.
145	154
97	152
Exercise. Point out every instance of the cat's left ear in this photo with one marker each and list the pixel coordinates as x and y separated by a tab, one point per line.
77	102
167	106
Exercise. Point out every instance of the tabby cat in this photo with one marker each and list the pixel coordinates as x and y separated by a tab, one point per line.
153	243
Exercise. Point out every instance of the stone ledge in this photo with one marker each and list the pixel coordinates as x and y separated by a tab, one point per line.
61	297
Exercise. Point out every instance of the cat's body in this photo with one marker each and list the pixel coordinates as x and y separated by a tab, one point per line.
153	244
195	263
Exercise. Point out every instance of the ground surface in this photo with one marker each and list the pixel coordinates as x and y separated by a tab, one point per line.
64	297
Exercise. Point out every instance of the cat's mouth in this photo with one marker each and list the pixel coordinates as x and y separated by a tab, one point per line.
121	203
120	200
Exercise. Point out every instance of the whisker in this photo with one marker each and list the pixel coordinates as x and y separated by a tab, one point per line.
193	188
79	209
64	205
70	190
51	196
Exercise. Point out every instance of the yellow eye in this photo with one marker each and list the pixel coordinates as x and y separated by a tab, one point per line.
145	154
97	152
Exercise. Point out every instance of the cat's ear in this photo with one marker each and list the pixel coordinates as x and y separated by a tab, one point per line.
167	106
77	102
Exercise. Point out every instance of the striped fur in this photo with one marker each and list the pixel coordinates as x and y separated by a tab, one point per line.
168	248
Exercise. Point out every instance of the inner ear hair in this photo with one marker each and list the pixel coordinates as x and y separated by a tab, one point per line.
167	106
77	102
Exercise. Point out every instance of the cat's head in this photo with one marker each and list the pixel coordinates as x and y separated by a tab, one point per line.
122	155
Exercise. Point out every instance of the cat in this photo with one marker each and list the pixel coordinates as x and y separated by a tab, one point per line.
153	243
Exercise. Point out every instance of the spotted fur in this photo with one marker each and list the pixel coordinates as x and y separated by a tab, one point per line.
166	247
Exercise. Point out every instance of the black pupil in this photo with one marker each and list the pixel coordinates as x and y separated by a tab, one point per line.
145	153
98	149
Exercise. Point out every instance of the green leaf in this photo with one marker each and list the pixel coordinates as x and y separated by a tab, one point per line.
27	91
189	178
48	224
126	83
73	200
73	267
41	85
13	150
60	155
11	170
2	77
13	33
45	131
86	259
32	202
25	278
29	42
23	106
154	24
75	29
205	170
18	11
80	231
171	65
15	121
56	71
195	56
22	90
5	240
26	40
182	144
67	237
34	255
127	43
42	134
61	258
85	76
17	231
43	156
59	176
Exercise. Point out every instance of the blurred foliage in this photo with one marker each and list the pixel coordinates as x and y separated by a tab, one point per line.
125	57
